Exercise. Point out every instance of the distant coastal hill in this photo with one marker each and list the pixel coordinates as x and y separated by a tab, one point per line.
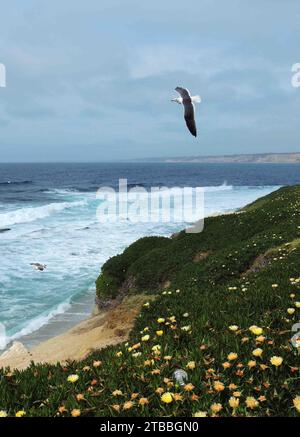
260	158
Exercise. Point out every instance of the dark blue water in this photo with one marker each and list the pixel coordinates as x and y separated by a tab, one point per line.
32	182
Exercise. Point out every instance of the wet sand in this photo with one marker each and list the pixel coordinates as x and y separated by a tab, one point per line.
106	327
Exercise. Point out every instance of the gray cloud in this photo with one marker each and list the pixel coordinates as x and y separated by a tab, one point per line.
93	80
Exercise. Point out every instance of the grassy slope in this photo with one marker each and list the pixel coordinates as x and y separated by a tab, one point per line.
214	291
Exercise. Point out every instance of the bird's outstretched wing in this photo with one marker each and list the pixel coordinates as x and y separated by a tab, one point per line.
184	93
189	116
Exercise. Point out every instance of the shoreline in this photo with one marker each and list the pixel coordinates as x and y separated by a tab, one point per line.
101	329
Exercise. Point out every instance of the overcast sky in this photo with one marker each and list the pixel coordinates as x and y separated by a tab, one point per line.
92	80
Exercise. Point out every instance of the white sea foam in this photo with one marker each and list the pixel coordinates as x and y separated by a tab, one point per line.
24	215
223	187
35	324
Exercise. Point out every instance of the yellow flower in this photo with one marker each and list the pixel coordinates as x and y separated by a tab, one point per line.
62	409
291	311
216	408
20	413
128	405
275	285
232	356
167	398
251	402
296	403
297	304
226	365
189	387
232	386
76	412
117	393
234	402
3	413
137	354
251	363
116	407
191	365
73	378
200	414
159	333
237	394
257	352
276	361
146	305
233	328
143	401
156	348
119	354
146	337
256	330
260	338
80	397
97	363
160	320
219	386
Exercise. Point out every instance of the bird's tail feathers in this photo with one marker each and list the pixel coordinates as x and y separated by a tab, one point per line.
196	99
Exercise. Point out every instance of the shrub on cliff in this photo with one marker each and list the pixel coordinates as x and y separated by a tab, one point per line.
115	271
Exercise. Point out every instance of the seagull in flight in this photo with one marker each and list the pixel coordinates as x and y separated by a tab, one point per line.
187	101
39	266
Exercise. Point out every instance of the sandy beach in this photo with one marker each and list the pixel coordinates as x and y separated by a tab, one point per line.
105	327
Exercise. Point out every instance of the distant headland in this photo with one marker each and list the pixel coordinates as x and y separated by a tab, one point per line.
259	158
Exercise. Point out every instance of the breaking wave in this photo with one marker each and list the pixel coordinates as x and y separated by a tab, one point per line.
24	215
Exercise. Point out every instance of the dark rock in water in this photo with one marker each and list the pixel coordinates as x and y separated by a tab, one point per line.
4	230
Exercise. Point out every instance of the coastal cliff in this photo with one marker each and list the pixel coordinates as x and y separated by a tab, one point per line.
223	305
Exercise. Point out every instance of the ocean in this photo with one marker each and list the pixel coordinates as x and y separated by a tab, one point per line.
50	210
